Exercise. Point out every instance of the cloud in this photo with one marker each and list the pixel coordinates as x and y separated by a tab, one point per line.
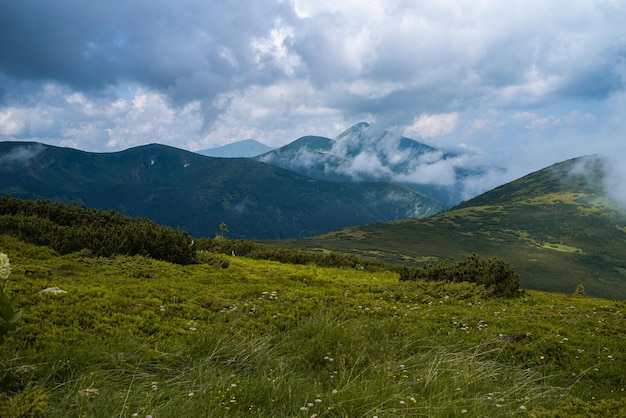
20	155
429	126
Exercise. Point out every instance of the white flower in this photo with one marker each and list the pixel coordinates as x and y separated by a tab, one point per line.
5	269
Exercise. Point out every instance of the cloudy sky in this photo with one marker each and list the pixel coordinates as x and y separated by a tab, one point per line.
527	83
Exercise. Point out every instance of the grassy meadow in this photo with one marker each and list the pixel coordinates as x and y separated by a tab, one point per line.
130	336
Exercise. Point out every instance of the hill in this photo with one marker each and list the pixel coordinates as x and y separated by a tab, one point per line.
230	336
246	148
183	189
556	227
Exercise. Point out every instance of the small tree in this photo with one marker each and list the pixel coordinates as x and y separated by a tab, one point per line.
223	229
580	290
8	315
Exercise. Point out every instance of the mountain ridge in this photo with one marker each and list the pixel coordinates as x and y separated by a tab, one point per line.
183	189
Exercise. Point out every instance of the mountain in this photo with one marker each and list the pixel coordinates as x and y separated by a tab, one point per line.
366	153
246	148
183	189
558	227
359	153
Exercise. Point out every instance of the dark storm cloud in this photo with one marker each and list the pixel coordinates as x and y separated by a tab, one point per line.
191	49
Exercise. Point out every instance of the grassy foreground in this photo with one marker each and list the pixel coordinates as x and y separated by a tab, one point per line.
238	337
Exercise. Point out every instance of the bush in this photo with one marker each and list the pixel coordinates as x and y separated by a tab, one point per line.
71	228
494	274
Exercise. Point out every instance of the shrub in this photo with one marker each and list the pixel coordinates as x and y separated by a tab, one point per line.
71	228
494	274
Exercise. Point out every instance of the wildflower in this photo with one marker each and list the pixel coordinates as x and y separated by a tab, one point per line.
402	402
190	394
522	407
233	385
304	408
464	411
318	400
154	387
89	391
5	269
541	357
498	405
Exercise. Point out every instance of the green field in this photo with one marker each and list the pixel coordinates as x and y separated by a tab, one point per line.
231	336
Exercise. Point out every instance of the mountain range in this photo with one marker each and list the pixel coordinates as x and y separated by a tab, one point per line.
366	153
558	227
183	189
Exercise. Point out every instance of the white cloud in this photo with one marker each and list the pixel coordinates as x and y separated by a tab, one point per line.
429	126
277	47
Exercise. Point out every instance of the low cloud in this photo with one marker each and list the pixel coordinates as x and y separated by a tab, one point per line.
429	126
21	155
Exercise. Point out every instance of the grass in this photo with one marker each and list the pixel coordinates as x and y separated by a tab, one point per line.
136	337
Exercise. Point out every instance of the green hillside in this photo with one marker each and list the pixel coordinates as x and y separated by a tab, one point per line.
182	189
129	336
555	226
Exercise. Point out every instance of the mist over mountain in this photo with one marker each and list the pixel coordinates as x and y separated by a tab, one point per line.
246	148
366	153
183	189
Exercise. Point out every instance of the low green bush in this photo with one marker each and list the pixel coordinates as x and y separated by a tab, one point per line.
71	228
494	274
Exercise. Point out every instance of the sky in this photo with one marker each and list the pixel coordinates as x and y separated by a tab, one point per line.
524	83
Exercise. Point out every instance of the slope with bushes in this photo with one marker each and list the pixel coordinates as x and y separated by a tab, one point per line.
557	227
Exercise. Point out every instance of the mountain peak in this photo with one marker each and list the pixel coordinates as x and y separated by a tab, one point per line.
354	130
246	148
